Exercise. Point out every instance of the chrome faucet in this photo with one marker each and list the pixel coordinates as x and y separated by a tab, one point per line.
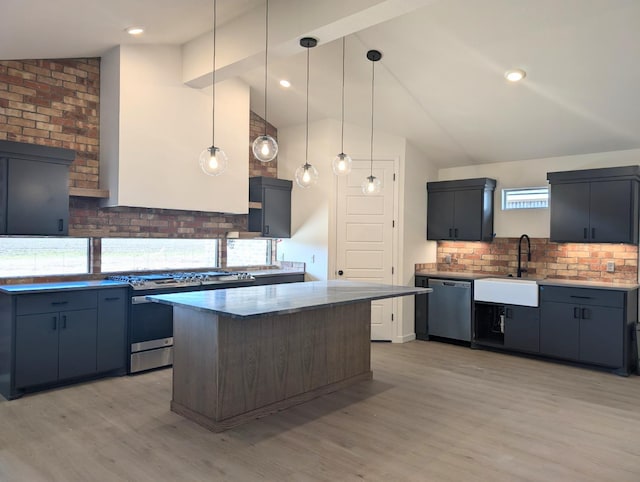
520	268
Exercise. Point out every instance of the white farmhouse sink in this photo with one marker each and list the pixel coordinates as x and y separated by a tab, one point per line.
511	291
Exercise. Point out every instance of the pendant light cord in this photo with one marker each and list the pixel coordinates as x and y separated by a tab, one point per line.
342	132
373	76
306	149
266	56
213	77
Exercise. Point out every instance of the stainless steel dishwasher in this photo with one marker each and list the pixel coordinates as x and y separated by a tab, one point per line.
450	309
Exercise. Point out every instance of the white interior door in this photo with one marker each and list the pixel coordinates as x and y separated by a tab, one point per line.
364	237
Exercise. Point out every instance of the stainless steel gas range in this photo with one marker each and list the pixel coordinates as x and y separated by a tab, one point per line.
151	324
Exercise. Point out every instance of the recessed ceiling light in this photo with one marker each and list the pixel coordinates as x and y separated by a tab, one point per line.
135	31
285	83
515	75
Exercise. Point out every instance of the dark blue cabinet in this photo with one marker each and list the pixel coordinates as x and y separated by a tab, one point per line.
595	205
593	326
34	189
112	330
36	349
522	328
54	337
460	210
273	216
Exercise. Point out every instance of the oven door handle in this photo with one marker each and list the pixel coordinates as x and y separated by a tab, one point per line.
138	300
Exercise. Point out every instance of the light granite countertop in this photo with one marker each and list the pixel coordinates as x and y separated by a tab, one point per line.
254	301
19	289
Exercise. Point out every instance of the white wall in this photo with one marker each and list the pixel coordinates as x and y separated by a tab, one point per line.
532	173
311	209
151	158
414	247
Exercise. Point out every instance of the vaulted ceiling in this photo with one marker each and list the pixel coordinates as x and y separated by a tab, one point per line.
440	82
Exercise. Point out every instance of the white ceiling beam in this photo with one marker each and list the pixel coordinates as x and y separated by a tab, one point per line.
240	43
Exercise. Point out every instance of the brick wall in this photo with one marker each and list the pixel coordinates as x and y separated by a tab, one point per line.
257	168
54	103
575	261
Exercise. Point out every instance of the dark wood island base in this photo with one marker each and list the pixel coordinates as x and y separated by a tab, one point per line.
230	370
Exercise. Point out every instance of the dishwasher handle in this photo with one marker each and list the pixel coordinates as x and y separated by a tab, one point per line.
450	283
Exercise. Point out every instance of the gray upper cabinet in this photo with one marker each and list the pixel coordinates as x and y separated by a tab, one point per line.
460	210
34	189
273	218
595	205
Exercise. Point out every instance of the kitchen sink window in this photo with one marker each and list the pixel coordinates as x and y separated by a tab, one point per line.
41	256
145	254
249	252
525	198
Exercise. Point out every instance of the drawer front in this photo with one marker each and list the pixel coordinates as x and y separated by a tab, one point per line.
58	301
582	296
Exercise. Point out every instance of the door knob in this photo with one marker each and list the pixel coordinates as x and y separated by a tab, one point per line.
340	272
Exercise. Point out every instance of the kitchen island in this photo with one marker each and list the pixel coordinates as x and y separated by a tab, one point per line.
242	353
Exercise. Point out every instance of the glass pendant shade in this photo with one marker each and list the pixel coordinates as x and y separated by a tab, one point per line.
265	148
306	175
213	161
341	164
371	185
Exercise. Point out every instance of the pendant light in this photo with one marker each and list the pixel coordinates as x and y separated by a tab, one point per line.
213	160
307	175
265	147
342	162
371	184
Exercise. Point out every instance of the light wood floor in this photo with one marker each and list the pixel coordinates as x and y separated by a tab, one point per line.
433	412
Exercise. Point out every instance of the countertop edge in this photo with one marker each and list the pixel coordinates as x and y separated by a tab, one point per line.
236	314
20	289
541	282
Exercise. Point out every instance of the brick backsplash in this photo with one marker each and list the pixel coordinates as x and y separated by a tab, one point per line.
576	261
57	103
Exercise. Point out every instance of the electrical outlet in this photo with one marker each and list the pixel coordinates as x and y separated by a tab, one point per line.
611	266
447	259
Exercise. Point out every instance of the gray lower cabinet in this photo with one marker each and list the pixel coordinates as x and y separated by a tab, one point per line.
111	348
522	328
60	336
512	327
559	331
593	326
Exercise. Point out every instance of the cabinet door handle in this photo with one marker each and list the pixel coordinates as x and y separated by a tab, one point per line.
450	233
112	298
581	297
64	322
60	225
55	323
58	303
576	312
455	233
266	229
593	233
586	314
584	235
